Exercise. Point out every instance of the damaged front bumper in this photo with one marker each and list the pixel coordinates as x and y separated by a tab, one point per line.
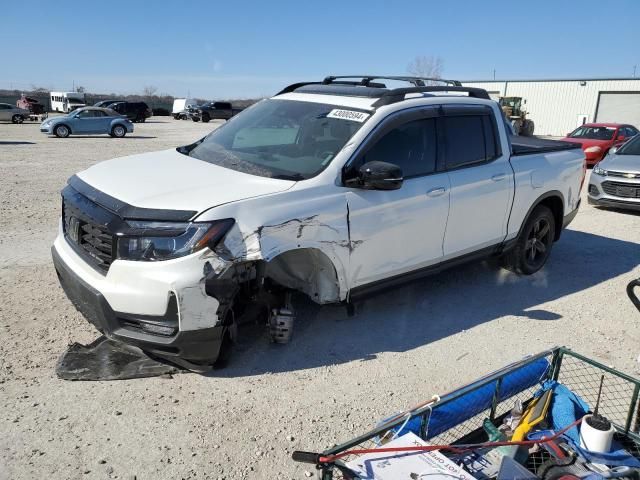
160	310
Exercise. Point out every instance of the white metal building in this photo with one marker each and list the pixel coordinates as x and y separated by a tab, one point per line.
559	106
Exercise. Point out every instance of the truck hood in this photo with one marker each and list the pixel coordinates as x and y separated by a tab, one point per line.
622	163
173	181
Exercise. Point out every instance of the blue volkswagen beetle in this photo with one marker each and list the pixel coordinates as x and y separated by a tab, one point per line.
88	120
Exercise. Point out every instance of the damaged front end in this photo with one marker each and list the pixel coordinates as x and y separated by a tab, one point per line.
181	294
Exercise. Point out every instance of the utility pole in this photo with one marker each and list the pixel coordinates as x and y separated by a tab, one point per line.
494	73
634	70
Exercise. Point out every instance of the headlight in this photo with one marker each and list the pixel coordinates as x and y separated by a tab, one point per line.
592	150
598	170
152	241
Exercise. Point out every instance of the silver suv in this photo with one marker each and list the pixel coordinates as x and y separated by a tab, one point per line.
12	113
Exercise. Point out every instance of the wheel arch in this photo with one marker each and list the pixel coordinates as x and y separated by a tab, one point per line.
554	201
309	270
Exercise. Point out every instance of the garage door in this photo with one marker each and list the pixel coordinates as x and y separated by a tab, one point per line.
619	108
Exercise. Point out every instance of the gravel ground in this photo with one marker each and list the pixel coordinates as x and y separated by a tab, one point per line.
336	378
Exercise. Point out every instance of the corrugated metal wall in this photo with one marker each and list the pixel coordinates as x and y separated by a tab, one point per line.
555	106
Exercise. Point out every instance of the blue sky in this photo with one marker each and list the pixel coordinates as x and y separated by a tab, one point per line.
245	49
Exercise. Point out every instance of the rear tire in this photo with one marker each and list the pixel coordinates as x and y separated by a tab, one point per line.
118	131
61	131
17	118
534	244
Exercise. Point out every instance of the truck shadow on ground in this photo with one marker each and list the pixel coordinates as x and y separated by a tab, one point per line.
433	308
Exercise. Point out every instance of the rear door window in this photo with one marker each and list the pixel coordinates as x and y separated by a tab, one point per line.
469	140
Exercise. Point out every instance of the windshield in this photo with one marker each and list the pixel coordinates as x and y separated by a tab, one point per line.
284	139
593	133
632	147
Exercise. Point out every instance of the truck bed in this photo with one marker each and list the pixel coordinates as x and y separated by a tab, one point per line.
529	145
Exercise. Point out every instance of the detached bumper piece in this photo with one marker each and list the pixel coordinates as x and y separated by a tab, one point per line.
157	336
105	359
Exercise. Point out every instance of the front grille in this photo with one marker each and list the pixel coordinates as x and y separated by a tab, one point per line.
91	239
622	174
623	190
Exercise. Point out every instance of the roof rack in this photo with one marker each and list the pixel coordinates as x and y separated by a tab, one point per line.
398	94
366	86
366	81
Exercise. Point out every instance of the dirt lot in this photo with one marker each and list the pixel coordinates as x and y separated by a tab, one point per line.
338	376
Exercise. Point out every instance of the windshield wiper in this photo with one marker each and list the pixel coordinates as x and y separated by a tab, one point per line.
294	177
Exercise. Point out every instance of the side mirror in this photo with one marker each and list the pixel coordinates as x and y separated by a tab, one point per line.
613	150
378	176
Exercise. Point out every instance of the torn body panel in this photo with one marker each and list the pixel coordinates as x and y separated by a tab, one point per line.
304	251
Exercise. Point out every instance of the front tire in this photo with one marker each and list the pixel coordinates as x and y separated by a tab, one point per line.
118	131
534	244
61	131
205	118
17	118
527	128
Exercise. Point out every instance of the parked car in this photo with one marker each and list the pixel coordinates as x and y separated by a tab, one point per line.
615	181
88	120
596	139
134	111
334	189
106	103
13	114
214	111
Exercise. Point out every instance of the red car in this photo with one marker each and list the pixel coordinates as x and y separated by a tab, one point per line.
597	138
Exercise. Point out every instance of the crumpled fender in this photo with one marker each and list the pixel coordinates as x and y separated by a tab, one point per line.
321	241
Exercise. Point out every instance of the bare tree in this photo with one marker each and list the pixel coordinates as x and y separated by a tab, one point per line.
426	66
36	89
149	91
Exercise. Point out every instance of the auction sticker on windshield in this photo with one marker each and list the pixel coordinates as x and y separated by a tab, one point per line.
348	115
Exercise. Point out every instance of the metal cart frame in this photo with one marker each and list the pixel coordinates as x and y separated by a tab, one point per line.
619	403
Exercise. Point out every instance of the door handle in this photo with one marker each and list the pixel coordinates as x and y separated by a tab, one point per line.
436	192
498	177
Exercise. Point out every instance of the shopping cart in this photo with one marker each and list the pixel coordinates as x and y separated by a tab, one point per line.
439	421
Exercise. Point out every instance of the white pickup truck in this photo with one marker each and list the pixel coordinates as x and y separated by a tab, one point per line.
335	189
